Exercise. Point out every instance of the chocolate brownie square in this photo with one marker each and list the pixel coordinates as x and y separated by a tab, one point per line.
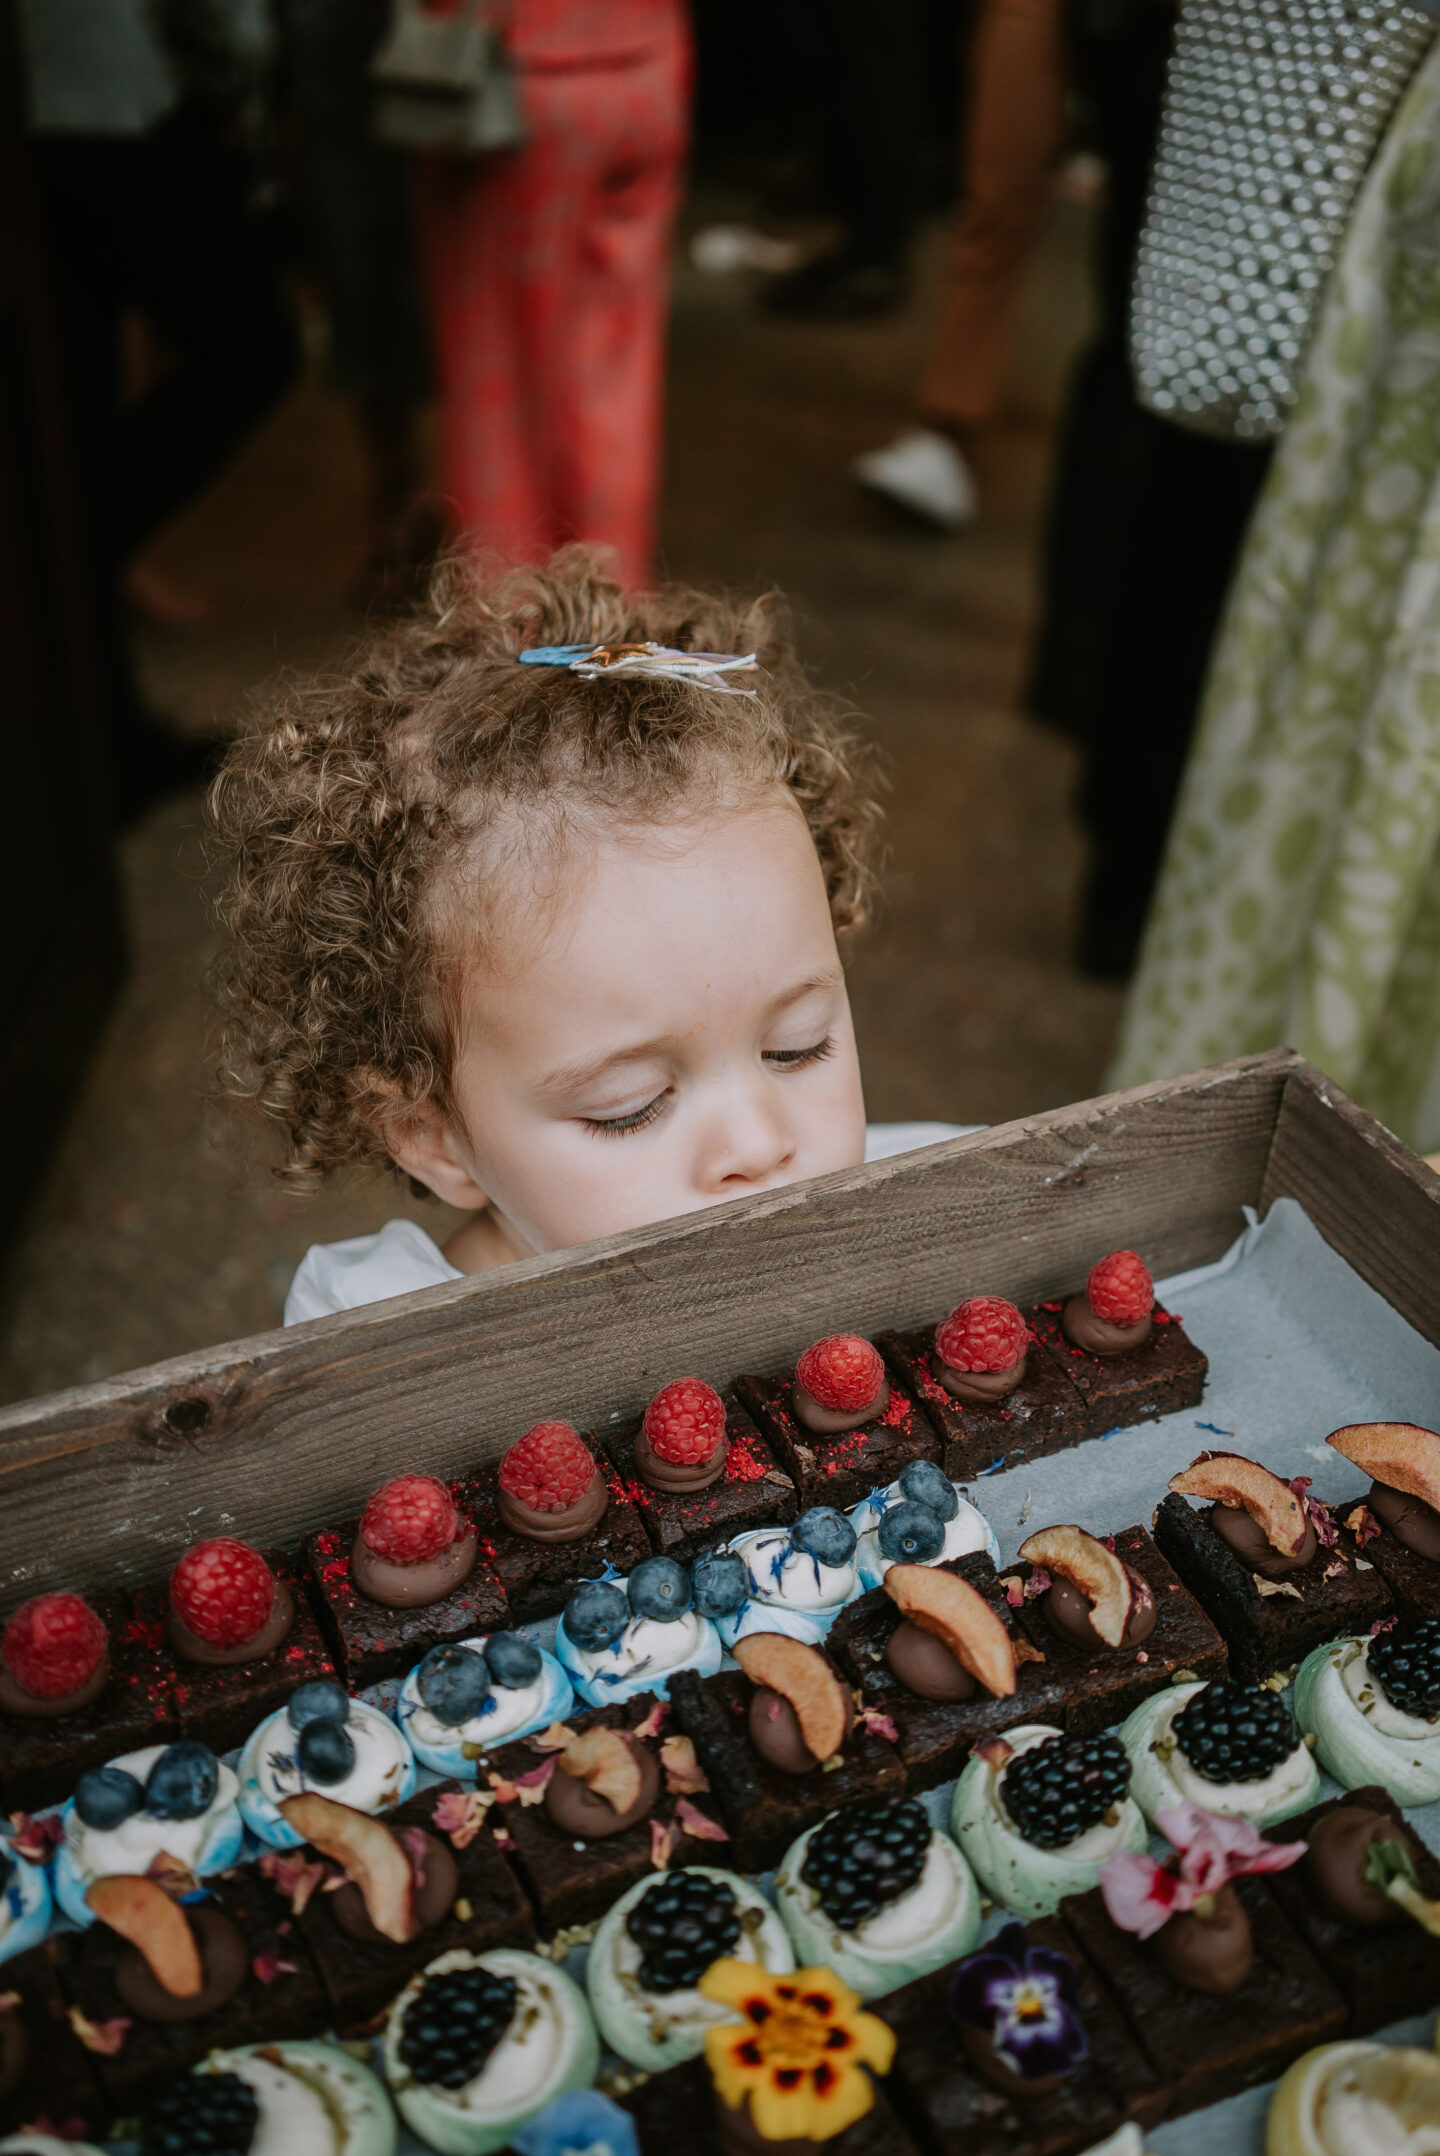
1101	1685
935	1736
763	1807
754	1491
220	1706
574	1882
280	1996
370	1641
1164	1373
680	2110
41	1760
1413	1580
949	2107
1384	1973
46	2081
1338	1592
539	1578
1206	2047
361	1976
838	1470
1045	1413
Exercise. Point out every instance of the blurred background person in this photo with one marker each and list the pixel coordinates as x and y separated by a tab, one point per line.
549	270
1300	898
145	184
1014	129
354	198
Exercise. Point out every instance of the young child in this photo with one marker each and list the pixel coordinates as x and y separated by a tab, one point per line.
560	946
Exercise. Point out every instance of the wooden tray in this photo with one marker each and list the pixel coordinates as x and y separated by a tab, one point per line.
278	1434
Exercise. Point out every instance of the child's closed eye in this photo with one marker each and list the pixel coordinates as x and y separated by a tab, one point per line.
796	1058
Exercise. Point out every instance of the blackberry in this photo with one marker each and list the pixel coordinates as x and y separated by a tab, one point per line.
1230	1733
1061	1787
203	2115
866	1856
681	1924
451	2028
1406	1665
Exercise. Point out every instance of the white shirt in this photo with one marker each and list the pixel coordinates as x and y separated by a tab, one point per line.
400	1257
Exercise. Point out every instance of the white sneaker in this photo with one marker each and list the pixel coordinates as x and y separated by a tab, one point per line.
926	474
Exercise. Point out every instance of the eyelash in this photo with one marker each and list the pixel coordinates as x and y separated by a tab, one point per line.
625	1126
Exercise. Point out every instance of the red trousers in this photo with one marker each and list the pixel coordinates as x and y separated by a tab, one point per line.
548	273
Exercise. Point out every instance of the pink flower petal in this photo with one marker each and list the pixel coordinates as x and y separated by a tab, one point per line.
664	1841
655	1720
1139	1893
699	1824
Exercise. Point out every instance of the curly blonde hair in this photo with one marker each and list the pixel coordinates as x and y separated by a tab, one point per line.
340	819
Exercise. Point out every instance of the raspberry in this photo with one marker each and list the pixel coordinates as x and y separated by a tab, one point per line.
547	1468
410	1520
843	1373
685	1422
52	1645
1120	1288
982	1333
222	1591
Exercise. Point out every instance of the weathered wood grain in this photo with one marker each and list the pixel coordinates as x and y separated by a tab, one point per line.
1372	1199
277	1434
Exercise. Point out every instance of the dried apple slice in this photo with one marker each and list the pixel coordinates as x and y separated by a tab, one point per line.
605	1763
1402	1455
142	1912
370	1854
1108	1586
1227	1479
803	1676
952	1611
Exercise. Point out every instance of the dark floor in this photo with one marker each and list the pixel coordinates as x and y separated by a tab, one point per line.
158	1231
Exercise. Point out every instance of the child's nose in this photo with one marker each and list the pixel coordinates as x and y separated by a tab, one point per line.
747	1145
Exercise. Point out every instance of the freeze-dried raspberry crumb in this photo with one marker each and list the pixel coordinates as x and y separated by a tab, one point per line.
410	1520
844	1373
982	1333
686	1422
222	1591
548	1468
1120	1288
52	1645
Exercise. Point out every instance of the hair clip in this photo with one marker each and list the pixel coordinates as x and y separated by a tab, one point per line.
656	662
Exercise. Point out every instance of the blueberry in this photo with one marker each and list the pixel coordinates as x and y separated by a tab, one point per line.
327	1752
183	1781
513	1662
925	1484
318	1702
911	1535
595	1616
454	1683
659	1588
106	1796
720	1583
826	1534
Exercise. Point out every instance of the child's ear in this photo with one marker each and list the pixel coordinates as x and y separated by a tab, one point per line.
419	1139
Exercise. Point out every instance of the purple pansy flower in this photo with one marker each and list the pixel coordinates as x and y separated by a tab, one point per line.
1024	1998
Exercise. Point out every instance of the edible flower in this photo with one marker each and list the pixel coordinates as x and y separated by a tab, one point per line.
1390	1867
797	2050
1024	1999
1142	1895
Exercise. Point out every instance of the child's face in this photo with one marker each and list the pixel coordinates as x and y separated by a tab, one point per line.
675	1033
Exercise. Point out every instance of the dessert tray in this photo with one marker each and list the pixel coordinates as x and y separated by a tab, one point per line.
1046	1666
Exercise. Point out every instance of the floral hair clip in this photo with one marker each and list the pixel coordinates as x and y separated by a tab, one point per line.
656	662
1206	1942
